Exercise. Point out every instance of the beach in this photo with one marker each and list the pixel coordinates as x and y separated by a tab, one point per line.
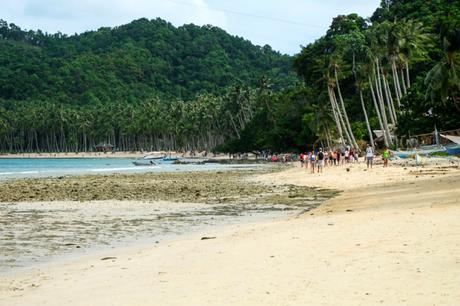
391	237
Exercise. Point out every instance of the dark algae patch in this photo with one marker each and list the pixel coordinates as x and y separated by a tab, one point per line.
230	187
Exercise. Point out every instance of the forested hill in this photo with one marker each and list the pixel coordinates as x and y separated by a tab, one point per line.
148	85
132	62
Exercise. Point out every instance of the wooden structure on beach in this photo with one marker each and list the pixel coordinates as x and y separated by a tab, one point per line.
427	139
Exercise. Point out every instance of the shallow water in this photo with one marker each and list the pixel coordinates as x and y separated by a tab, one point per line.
11	168
34	233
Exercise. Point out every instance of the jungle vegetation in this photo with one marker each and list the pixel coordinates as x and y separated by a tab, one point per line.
148	85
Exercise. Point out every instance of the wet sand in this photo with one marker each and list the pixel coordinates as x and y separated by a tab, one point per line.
392	237
49	218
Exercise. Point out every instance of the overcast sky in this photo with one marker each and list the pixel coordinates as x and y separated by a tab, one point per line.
285	25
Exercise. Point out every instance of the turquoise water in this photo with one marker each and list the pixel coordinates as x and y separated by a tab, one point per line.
44	167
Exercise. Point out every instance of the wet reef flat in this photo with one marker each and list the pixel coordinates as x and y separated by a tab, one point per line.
192	187
47	217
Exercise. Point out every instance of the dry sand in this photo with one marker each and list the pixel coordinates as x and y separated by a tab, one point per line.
391	238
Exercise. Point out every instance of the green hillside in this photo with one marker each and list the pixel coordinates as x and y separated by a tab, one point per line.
132	62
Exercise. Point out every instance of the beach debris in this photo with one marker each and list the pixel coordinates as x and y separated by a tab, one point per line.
348	169
207	238
349	210
108	258
72	244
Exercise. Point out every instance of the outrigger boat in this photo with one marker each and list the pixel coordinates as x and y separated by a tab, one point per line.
170	158
452	149
151	157
420	151
144	163
162	158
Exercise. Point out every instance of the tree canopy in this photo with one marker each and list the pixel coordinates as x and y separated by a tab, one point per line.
148	85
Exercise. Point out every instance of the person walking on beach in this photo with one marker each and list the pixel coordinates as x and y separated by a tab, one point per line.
312	161
320	160
369	156
386	157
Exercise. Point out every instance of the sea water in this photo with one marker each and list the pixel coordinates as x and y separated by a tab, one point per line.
45	167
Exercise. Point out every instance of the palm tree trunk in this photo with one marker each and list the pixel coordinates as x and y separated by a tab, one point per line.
386	129
354	143
387	100
391	104
407	74
396	85
342	122
376	106
403	81
334	113
366	118
234	126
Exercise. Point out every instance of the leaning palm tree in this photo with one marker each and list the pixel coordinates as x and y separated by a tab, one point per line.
360	83
335	66
374	53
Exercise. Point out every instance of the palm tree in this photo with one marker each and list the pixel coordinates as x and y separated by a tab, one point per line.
443	80
335	66
413	46
374	52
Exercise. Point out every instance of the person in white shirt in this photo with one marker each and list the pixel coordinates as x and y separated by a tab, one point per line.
369	156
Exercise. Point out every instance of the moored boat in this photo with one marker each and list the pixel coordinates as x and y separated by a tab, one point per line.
144	163
170	158
453	149
421	151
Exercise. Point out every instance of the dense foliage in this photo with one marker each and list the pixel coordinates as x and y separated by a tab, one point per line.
144	85
398	72
149	85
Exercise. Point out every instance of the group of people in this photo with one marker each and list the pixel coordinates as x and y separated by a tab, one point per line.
317	160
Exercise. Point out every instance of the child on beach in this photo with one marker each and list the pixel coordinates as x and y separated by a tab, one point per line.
386	157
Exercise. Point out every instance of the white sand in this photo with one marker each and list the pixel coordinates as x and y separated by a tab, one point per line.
390	238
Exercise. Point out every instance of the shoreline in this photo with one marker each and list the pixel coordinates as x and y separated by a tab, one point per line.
390	237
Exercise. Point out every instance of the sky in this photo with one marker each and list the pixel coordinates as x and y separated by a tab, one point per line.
284	25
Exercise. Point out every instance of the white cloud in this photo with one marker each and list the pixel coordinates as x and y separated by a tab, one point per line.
75	16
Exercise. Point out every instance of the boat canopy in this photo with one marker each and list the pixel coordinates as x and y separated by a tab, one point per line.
455	139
